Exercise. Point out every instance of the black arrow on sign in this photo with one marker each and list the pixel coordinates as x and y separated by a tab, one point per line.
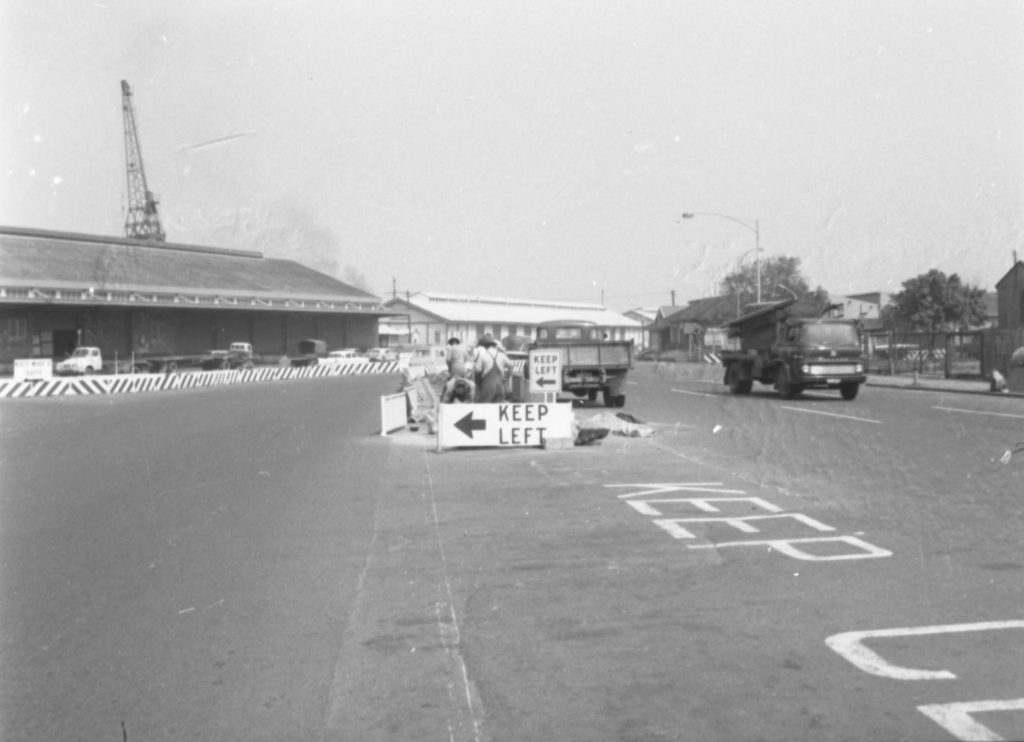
467	425
545	382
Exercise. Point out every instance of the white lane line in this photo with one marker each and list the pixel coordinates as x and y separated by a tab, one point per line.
832	414
978	412
850	646
695	394
956	718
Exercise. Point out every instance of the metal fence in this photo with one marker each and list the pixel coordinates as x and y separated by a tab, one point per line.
971	354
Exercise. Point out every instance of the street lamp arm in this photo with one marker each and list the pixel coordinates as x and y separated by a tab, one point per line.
750	224
755	228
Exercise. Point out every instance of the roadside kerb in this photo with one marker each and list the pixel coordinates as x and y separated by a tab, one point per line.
714	373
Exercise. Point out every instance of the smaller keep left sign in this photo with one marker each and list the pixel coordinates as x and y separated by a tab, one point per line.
502	424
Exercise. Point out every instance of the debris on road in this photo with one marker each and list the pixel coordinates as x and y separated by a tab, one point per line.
620	424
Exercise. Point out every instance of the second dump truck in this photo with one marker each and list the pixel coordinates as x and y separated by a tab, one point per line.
792	346
591	363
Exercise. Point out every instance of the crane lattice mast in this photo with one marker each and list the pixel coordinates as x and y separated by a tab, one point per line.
142	221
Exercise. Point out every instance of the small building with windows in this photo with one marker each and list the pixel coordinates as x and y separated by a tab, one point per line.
433	318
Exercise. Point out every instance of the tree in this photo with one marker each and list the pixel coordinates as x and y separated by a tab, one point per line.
780	279
935	302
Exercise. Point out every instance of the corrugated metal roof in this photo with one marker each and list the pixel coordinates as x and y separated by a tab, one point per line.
461	309
56	260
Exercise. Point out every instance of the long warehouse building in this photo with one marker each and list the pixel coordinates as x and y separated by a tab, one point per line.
59	290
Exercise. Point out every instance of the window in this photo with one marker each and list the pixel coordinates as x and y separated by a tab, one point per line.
17	329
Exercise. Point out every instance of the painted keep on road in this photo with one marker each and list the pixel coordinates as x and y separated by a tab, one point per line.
504	424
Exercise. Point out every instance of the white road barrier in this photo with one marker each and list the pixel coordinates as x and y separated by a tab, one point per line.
136	383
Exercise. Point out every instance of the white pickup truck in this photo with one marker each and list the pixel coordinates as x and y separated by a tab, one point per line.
82	361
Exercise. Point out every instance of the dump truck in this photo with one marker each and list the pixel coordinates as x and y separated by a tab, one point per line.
792	345
591	363
311	353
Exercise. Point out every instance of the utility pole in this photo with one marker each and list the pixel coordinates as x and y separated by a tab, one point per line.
408	317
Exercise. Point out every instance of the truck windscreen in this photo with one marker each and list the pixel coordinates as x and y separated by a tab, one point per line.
830	335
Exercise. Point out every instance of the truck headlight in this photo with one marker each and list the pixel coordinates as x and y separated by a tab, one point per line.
860	368
805	369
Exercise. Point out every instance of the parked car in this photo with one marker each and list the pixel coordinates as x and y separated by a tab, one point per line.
381	355
345	354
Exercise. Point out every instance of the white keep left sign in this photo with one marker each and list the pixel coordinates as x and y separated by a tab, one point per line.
502	424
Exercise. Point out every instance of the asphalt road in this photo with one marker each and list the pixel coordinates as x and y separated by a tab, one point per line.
262	565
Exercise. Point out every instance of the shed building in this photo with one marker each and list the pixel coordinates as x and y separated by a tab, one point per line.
433	318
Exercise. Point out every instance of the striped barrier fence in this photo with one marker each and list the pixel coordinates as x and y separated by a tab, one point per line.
136	383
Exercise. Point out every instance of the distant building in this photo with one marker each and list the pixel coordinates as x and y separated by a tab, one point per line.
697	325
646	317
433	318
1010	298
865	307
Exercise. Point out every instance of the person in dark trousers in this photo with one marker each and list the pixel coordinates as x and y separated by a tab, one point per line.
491	368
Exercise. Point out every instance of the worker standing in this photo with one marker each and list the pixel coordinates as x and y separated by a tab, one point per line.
491	367
456	357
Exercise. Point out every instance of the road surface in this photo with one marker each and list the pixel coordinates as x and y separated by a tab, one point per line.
262	565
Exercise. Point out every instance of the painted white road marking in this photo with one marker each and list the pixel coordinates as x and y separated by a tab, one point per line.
868	551
674	529
786	546
978	412
832	414
701	503
849	645
956	718
695	394
662	488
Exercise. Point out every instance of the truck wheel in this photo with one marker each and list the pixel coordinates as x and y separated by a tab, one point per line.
849	390
786	388
592	395
736	384
620	401
609	398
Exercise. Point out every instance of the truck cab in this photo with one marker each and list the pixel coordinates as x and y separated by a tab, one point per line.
820	353
82	361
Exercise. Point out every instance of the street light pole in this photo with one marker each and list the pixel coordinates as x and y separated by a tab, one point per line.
756	229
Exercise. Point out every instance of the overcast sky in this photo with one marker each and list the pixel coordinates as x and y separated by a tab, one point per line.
534	149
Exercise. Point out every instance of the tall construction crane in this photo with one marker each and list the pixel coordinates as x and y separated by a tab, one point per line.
142	221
